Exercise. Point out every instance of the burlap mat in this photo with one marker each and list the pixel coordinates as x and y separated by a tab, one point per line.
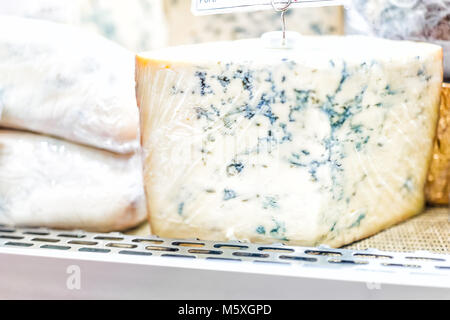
430	231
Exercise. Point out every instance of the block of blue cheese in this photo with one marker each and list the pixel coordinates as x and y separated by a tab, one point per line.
47	182
325	143
184	28
58	80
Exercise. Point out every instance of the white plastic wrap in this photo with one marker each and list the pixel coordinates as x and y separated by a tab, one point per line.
185	28
325	143
48	182
58	80
421	20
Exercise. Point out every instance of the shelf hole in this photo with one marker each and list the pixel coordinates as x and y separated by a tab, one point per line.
83	243
74	236
371	256
154	248
323	253
347	261
400	265
250	254
269	249
443	267
188	244
47	246
37	233
94	250
297	258
45	240
108	238
7	230
223	259
151	241
18	244
273	262
122	245
424	259
230	247
177	256
135	253
199	251
11	237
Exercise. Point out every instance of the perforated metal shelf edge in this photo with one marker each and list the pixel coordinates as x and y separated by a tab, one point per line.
43	263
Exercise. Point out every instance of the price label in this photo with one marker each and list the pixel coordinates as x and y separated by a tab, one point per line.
204	7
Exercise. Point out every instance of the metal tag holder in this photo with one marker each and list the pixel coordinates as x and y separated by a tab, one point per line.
201	7
283	11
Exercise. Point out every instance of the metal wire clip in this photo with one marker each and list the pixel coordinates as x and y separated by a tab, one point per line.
283	11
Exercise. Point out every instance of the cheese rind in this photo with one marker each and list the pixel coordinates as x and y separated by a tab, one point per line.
58	80
52	183
326	143
184	28
438	182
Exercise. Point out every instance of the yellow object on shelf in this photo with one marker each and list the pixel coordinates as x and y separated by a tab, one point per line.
438	186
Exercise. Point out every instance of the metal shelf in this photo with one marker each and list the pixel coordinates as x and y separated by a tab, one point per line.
42	263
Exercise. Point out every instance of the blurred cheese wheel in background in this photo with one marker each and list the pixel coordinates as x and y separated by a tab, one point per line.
64	11
135	24
419	20
184	28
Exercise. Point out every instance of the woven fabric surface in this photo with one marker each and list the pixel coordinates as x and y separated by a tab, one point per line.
429	231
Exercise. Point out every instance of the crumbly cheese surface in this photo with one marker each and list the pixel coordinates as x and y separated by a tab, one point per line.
58	80
438	183
48	182
184	28
326	143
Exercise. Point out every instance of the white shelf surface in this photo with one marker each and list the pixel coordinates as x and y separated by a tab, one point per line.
51	264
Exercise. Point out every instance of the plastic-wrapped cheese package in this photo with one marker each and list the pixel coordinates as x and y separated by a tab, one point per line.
438	183
184	28
422	20
58	80
325	143
48	182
